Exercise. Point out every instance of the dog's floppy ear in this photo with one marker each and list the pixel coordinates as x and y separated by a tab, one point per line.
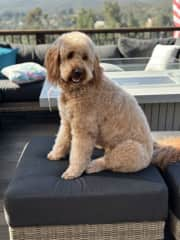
97	70
52	63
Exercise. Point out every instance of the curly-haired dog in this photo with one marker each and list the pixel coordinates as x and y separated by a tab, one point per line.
95	111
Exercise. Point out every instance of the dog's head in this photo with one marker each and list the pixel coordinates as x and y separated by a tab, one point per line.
72	62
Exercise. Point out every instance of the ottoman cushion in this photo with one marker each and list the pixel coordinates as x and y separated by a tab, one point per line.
38	196
27	92
172	177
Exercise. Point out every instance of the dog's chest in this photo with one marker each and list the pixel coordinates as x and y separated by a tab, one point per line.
73	110
68	113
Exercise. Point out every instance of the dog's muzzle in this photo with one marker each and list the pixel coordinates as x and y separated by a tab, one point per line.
77	75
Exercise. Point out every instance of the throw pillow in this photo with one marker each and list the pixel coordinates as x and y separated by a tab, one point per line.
25	72
161	57
7	57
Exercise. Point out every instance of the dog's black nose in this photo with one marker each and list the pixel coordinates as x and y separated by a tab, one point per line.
77	73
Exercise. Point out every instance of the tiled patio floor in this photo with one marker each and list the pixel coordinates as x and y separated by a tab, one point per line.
15	134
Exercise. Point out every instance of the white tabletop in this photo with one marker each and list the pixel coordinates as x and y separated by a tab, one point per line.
165	87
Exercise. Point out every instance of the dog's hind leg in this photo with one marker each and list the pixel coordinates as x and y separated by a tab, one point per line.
128	156
96	165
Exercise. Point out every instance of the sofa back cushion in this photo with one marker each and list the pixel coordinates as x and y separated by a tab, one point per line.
131	47
29	53
36	53
108	51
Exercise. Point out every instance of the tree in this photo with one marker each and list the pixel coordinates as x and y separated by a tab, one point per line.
162	20
112	14
132	20
36	18
85	18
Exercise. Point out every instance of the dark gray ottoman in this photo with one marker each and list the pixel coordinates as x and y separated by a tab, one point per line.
41	205
172	177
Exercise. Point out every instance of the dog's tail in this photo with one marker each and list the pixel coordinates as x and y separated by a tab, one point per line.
166	151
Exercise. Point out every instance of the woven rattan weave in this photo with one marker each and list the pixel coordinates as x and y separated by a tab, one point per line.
123	231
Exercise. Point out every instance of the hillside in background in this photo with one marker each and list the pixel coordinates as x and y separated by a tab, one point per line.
59	14
55	5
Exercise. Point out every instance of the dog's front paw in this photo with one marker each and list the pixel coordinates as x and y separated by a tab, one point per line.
71	174
53	155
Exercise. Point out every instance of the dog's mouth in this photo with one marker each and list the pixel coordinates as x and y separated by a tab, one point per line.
75	80
72	80
77	75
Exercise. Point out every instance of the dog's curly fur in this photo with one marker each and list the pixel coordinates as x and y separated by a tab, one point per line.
94	111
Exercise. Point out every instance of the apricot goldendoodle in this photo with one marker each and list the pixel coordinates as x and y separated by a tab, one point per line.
95	111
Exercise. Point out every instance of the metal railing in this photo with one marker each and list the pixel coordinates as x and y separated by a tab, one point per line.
99	36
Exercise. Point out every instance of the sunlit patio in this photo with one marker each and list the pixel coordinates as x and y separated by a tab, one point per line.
31	110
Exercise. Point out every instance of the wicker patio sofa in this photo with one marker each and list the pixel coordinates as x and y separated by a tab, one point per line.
125	50
39	205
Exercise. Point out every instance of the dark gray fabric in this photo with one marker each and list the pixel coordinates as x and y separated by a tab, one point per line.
5	45
38	196
108	51
131	47
26	92
172	177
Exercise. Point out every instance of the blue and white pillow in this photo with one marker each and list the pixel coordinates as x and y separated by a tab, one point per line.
25	72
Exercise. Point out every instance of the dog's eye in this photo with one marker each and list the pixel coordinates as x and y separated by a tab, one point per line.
70	55
85	57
